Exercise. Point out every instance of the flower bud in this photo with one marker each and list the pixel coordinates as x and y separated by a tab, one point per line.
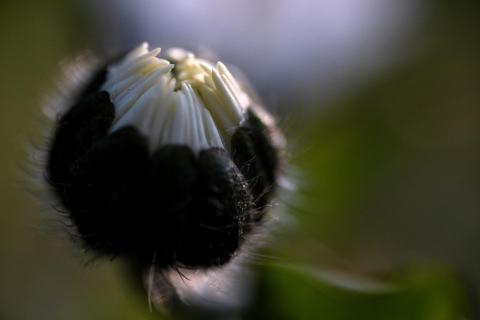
165	160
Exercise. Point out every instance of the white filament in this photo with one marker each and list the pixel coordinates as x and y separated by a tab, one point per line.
198	104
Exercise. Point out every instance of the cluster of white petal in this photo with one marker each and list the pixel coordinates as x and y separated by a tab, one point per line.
181	99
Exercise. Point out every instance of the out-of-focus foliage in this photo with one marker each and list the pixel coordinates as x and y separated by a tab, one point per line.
391	170
289	293
388	177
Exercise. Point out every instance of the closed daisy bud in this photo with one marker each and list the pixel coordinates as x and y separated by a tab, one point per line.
164	160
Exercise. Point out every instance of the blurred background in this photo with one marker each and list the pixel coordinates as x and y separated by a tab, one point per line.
380	103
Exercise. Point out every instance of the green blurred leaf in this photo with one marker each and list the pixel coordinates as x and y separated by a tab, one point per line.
287	292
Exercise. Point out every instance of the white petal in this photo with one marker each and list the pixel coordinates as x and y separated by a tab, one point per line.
231	103
199	106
